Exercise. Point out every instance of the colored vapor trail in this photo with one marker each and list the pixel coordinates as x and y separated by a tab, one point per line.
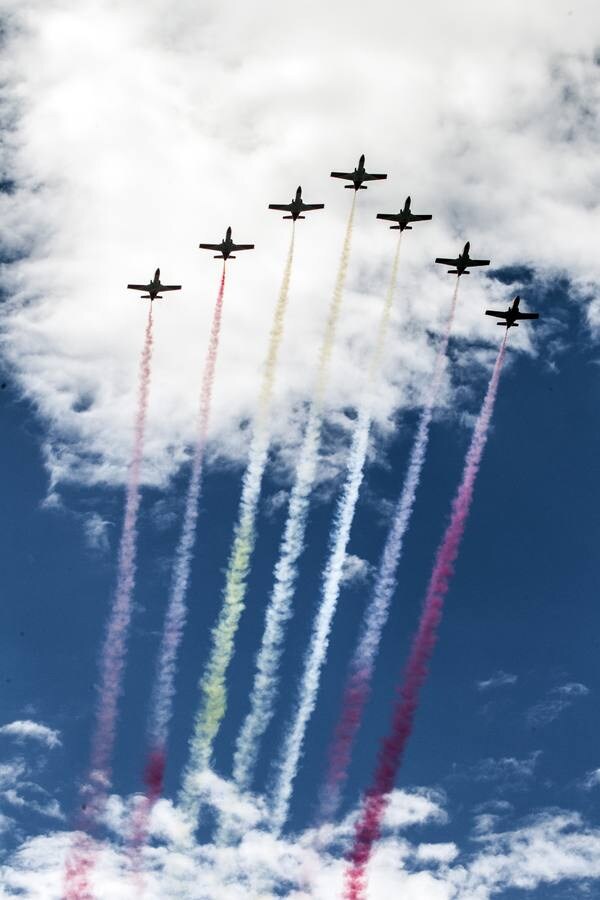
368	825
279	609
213	690
161	706
332	576
357	686
112	658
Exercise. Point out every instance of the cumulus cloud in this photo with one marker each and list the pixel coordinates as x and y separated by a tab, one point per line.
25	730
356	570
498	679
120	159
552	847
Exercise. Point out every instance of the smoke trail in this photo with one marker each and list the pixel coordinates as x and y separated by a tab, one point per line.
112	657
163	691
332	577
212	685
357	686
367	828
161	705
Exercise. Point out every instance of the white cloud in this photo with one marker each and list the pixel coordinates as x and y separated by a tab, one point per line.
591	780
141	130
572	689
24	730
498	679
437	853
356	570
96	532
553	847
558	700
508	771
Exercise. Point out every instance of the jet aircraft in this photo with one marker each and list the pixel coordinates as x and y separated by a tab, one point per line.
403	218
154	288
462	262
511	315
297	206
226	247
358	176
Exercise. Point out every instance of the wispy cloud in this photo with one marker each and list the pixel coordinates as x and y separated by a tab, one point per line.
555	703
591	780
23	730
507	772
497	680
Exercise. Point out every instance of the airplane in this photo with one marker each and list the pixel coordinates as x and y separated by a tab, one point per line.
358	176
511	315
297	206
403	218
226	247
154	288
462	262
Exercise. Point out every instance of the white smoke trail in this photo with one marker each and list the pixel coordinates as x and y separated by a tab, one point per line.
332	577
377	611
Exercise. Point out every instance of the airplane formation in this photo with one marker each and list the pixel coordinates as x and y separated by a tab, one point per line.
403	222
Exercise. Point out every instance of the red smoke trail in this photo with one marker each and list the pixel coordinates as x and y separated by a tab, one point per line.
161	706
368	826
112	658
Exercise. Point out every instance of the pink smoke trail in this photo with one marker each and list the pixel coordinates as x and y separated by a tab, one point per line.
161	707
357	687
112	658
368	826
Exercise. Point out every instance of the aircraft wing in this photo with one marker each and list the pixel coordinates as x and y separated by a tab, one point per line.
496	313
210	246
307	207
446	262
139	287
389	217
478	262
367	177
528	315
415	218
284	207
242	247
170	287
348	176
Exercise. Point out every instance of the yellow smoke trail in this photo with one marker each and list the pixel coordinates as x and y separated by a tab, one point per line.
212	685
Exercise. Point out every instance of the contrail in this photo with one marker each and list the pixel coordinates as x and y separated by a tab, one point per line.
332	578
112	657
367	829
213	690
161	706
357	686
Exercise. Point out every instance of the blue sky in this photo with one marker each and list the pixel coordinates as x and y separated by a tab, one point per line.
504	754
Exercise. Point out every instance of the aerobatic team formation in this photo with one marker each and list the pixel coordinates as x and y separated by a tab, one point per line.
213	687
